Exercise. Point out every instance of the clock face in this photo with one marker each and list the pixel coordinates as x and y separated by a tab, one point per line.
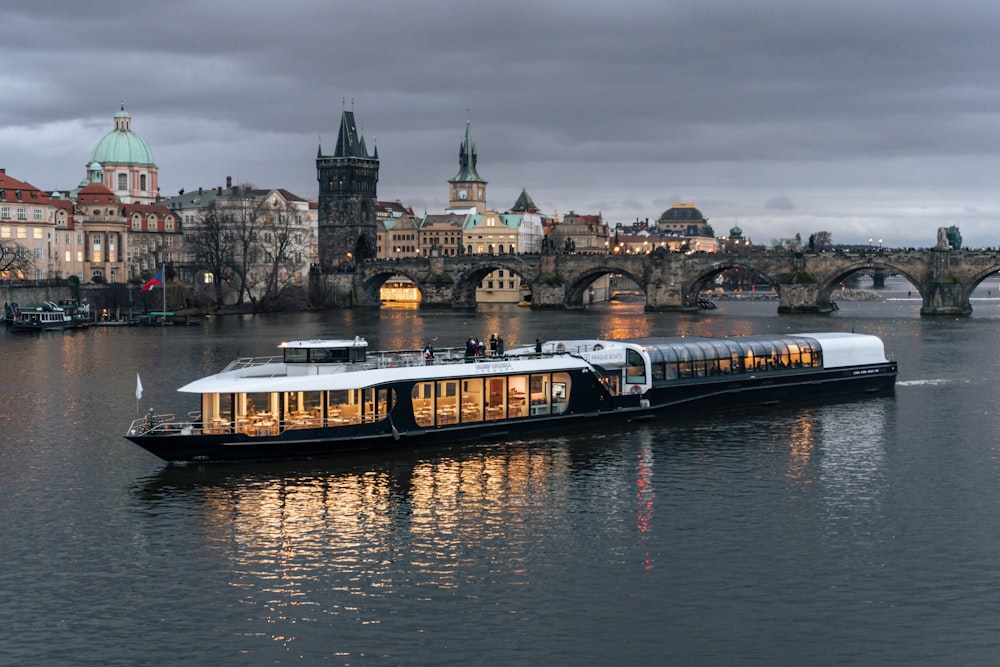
463	194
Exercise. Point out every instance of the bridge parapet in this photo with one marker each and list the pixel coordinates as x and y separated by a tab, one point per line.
672	281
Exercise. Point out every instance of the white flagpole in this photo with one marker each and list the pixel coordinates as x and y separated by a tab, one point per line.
138	392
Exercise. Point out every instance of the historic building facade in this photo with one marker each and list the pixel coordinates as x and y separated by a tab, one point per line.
27	231
126	163
347	216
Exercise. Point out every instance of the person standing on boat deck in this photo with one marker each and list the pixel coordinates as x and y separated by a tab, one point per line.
538	346
493	345
428	355
480	348
470	349
500	346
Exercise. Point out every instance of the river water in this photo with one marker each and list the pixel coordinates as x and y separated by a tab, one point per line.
853	532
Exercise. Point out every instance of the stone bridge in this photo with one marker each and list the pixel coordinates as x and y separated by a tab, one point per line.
672	281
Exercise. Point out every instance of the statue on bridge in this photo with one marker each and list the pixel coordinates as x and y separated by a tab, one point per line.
942	240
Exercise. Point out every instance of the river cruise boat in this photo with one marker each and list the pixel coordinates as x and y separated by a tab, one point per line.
322	397
47	317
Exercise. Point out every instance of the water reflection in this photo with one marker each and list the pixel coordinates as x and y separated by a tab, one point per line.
852	465
304	542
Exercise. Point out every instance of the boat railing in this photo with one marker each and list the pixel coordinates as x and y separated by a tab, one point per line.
250	362
376	359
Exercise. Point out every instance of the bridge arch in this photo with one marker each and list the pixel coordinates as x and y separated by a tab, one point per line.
370	284
468	280
829	283
701	279
579	285
976	279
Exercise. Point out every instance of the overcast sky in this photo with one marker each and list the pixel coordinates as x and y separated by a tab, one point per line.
867	119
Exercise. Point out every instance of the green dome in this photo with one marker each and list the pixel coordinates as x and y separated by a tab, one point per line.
121	145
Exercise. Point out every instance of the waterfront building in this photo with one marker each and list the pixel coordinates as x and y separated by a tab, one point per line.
398	237
348	180
122	242
441	233
579	233
27	225
241	241
126	163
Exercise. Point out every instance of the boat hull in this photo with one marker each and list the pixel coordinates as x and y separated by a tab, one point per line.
665	399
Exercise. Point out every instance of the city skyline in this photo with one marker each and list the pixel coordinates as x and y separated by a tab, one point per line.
865	120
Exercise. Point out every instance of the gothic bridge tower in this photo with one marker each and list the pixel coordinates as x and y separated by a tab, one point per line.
347	224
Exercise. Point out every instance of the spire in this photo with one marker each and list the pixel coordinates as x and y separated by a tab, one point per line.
467	157
349	143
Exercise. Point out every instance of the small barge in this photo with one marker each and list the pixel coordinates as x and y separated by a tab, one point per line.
322	397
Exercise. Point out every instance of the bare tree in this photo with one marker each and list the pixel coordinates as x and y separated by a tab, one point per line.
820	241
211	248
244	218
15	260
281	244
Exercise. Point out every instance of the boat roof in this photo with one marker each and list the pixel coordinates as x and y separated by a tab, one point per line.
323	343
272	377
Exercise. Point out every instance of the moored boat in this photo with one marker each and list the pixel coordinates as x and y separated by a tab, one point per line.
46	317
322	397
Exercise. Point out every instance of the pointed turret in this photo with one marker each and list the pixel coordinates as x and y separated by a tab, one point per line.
467	158
524	203
349	143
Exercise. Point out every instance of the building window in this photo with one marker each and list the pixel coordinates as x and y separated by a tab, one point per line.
142	182
38	233
38	253
22	232
5	212
38	214
122	181
22	214
69	256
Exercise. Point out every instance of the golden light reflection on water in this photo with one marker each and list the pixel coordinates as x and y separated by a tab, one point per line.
801	444
351	537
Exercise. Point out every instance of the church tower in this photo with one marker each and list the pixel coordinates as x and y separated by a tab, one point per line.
347	224
467	189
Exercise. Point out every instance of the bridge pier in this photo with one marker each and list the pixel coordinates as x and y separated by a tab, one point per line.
548	295
944	299
802	298
667	297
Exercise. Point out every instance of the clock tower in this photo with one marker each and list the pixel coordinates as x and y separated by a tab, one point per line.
467	190
347	225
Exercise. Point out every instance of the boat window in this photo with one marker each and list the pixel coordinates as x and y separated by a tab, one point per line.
447	402
303	409
216	415
517	391
560	392
296	355
635	371
341	408
496	395
539	394
472	400
659	372
366	399
386	399
422	396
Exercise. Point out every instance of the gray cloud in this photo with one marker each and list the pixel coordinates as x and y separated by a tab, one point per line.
873	118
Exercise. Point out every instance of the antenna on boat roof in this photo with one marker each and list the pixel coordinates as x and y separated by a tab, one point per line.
852	328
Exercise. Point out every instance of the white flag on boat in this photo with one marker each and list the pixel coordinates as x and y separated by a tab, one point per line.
138	387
